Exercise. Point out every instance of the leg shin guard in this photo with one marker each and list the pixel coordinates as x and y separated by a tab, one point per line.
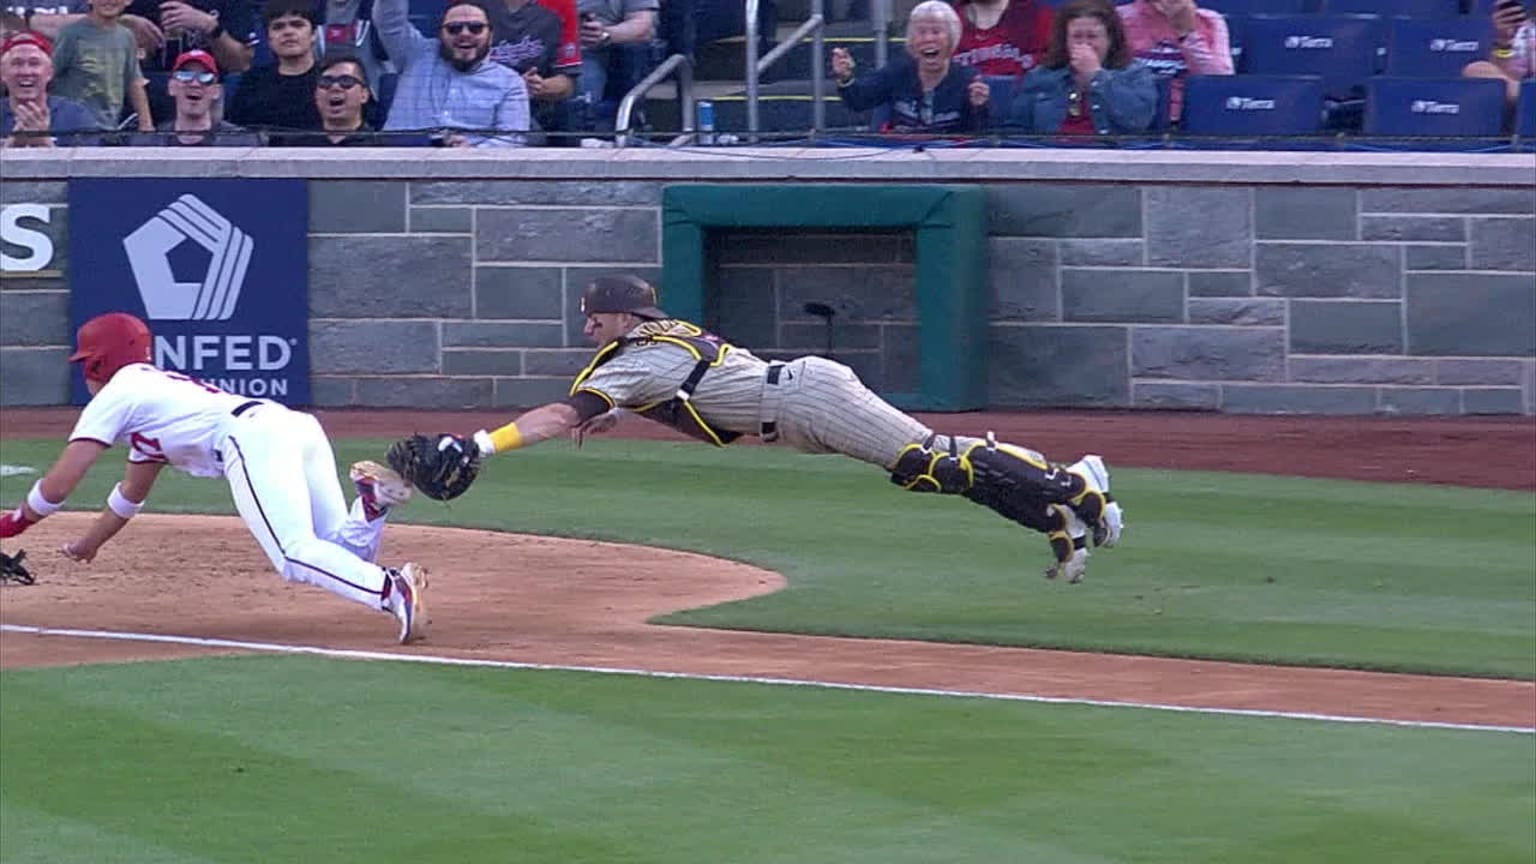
1017	483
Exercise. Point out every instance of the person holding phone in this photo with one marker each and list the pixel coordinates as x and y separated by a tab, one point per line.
1513	56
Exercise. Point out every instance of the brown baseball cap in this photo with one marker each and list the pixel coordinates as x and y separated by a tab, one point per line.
621	294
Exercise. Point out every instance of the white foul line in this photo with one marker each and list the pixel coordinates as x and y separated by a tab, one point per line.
349	654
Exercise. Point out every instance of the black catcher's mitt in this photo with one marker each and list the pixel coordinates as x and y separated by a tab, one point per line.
441	466
12	570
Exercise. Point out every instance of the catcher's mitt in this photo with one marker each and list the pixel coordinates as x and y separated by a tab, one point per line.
12	570
441	466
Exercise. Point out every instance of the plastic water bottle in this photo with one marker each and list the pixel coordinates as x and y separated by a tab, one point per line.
706	121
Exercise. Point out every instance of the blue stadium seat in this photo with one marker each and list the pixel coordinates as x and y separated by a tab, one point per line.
1230	8
1525	111
1342	49
1442	107
1435	48
1002	88
1251	105
1403	8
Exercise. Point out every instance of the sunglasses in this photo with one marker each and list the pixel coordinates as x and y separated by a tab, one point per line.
1074	103
456	27
345	82
187	76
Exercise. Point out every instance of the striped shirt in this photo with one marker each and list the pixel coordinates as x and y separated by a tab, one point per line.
433	95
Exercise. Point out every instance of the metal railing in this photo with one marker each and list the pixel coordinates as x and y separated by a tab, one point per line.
684	68
814	26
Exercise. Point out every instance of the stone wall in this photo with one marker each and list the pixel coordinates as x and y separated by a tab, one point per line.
1159	280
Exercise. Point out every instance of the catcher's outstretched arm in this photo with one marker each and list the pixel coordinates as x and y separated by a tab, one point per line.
539	424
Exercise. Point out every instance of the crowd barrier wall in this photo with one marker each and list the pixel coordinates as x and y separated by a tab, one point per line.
1252	282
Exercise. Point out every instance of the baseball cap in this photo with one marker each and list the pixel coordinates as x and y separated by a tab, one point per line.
621	294
27	37
195	56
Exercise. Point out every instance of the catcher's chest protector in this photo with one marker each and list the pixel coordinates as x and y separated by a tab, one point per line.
678	412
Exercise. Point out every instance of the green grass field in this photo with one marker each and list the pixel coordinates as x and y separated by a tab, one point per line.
277	759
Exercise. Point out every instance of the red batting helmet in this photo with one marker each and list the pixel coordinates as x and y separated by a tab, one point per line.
109	342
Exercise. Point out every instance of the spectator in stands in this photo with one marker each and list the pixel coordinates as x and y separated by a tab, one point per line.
448	86
195	91
1088	84
341	92
1002	37
348	29
281	95
51	22
11	24
1175	39
29	117
527	41
166	29
1513	58
926	93
607	26
96	63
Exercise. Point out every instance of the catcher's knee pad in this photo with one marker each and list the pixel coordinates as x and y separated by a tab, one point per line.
920	468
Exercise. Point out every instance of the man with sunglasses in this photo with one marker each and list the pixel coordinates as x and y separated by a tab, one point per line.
448	87
195	91
341	94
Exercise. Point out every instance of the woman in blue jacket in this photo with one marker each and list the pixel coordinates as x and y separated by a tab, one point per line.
1088	84
924	91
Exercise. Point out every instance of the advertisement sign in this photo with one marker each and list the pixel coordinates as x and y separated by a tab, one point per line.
26	248
219	269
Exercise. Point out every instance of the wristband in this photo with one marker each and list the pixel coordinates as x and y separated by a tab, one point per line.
40	505
119	504
506	438
1503	53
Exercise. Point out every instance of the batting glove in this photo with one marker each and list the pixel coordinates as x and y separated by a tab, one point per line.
13	522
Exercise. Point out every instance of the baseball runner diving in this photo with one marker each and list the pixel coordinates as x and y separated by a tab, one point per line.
675	373
278	463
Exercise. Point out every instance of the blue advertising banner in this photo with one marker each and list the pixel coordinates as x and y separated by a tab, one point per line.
219	269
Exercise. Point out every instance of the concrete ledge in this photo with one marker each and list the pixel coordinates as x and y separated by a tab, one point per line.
785	164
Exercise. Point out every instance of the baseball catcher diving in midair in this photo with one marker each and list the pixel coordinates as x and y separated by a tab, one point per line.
675	373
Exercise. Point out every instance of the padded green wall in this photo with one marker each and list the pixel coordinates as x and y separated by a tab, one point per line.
950	224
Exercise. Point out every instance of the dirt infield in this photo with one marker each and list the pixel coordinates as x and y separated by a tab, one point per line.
583	603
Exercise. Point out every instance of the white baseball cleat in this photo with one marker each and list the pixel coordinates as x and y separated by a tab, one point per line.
1106	532
379	487
407	601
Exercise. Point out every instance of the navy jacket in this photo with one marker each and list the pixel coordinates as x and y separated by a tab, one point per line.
947	110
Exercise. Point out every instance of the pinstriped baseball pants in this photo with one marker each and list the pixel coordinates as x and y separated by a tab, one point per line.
824	408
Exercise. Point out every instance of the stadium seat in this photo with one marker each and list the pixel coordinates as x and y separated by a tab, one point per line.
1341	49
1402	8
1439	107
1525	111
1253	105
1437	48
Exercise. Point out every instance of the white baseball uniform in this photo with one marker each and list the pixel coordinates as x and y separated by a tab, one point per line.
278	462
